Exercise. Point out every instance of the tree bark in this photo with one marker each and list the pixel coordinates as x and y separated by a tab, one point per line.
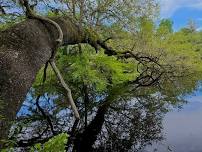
24	49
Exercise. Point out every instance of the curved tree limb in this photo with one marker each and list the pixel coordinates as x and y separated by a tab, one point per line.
31	15
59	41
69	95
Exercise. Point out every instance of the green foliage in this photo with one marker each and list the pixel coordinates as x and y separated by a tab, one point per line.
8	150
97	69
165	26
7	21
56	143
49	85
81	65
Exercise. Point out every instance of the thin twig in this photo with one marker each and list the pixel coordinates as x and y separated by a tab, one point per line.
44	115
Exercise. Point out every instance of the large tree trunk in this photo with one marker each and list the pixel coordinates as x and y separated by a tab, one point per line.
24	49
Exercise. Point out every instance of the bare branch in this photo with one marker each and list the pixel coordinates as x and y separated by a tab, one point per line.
45	115
69	95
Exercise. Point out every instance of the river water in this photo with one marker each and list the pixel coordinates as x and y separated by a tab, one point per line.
182	128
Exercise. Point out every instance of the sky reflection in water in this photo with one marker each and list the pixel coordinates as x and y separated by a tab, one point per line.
182	128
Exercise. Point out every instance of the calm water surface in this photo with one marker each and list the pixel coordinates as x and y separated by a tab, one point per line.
182	128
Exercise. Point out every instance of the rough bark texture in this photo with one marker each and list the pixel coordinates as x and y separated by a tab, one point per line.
24	49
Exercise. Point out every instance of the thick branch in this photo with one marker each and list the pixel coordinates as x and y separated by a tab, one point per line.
24	49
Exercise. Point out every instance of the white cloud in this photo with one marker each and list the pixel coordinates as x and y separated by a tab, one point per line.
197	5
199	29
169	7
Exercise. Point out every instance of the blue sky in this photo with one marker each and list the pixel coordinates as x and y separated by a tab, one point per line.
180	11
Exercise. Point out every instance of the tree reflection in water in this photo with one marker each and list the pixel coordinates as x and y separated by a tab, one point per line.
126	124
129	126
